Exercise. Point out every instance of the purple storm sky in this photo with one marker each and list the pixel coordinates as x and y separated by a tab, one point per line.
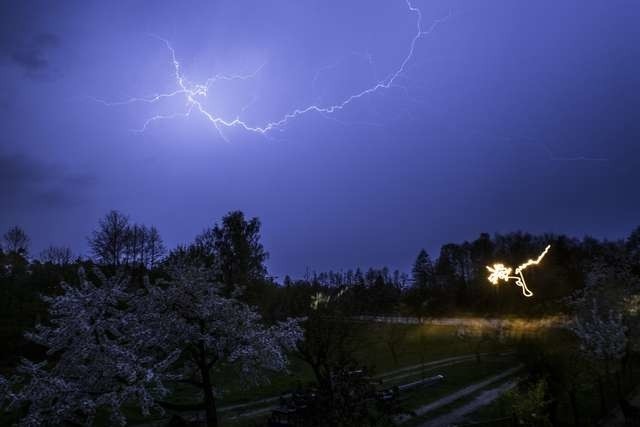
508	115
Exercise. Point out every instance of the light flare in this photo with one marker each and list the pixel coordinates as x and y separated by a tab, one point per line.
501	272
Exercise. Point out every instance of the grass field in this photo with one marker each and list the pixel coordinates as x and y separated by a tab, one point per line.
422	344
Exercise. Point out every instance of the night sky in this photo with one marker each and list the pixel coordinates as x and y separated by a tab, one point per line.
507	116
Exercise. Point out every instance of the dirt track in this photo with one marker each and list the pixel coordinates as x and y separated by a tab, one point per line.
463	392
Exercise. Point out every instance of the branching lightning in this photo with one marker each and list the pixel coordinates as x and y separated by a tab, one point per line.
501	272
195	93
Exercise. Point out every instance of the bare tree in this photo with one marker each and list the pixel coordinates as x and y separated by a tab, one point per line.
118	242
16	241
136	244
58	255
109	242
154	248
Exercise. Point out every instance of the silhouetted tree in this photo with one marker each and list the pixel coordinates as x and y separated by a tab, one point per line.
117	242
16	241
234	249
154	248
238	247
422	272
330	339
135	245
57	255
109	242
422	291
633	250
394	337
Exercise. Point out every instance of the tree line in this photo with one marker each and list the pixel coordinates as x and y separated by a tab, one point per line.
133	318
454	282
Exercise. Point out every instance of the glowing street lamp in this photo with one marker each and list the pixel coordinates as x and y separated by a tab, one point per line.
501	272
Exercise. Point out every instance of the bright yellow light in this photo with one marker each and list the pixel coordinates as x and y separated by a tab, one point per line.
501	272
533	262
321	299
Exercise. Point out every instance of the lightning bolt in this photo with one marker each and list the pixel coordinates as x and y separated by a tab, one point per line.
195	93
501	272
536	261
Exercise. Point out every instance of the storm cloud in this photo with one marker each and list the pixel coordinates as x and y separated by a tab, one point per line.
24	42
30	184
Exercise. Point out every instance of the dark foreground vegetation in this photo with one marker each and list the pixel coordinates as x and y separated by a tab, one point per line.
138	334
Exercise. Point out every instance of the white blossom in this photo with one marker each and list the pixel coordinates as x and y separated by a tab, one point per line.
189	313
96	358
602	338
109	346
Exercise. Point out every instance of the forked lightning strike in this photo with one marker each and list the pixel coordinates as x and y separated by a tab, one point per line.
195	93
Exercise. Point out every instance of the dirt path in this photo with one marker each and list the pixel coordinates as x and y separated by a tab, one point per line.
484	398
393	375
463	392
420	411
426	365
254	408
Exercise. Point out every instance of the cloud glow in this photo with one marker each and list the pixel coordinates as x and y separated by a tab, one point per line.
195	94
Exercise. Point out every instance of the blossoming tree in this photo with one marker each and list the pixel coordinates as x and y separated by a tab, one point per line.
110	346
213	333
97	360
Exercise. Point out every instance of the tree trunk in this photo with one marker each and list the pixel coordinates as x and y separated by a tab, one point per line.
207	390
626	372
316	371
574	407
553	412
394	355
619	386
603	403
210	405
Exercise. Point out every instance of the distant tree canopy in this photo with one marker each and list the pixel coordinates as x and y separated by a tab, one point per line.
453	282
456	283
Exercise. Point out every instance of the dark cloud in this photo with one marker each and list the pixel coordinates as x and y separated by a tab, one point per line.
28	184
24	42
32	54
